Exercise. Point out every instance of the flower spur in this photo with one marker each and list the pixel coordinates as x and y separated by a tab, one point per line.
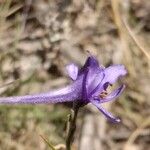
90	84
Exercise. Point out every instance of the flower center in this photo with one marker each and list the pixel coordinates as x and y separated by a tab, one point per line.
104	93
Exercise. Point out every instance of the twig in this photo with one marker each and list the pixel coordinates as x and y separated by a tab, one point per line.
123	36
135	134
135	39
48	143
9	83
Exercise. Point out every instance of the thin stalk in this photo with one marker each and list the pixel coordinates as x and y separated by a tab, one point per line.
71	126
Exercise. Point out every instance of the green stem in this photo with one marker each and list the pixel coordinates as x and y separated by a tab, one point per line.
71	126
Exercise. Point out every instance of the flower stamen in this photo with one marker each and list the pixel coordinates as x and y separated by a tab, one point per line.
103	94
106	92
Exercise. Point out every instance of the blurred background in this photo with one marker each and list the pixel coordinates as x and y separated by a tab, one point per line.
39	37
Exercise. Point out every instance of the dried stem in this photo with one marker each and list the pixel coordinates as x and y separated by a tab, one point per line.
71	126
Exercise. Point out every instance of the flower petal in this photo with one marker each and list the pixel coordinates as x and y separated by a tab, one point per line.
84	85
94	74
72	70
112	73
91	61
69	93
96	87
108	115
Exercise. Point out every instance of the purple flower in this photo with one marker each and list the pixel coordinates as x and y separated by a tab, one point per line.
89	85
